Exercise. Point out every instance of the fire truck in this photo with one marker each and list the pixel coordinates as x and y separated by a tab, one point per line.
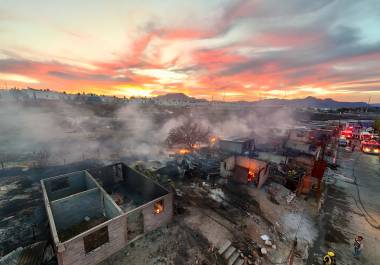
348	133
366	136
370	147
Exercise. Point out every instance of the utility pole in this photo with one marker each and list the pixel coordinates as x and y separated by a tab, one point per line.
369	100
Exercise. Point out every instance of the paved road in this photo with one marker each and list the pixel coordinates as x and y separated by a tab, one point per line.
352	206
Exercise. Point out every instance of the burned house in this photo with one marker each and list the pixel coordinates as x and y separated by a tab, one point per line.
245	170
302	149
95	213
305	149
237	146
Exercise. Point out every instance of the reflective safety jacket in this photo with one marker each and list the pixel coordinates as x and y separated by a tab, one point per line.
328	260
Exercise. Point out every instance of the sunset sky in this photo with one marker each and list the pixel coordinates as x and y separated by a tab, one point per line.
237	49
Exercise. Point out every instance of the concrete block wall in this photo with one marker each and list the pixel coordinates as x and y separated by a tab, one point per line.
72	252
89	181
72	210
153	221
109	208
146	187
77	183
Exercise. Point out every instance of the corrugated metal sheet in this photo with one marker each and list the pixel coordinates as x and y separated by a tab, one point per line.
30	255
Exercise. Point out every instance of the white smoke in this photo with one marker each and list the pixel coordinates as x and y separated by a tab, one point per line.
75	132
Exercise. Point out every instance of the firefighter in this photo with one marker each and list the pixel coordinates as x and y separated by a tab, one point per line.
358	246
329	258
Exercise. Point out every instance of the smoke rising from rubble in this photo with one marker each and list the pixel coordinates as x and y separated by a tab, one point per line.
145	133
74	132
253	124
62	132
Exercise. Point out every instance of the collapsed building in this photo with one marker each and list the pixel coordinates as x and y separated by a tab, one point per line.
94	213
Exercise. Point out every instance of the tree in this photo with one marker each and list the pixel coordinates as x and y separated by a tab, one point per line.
376	124
42	158
189	134
4	158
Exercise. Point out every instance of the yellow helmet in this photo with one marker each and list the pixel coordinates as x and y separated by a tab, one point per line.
330	253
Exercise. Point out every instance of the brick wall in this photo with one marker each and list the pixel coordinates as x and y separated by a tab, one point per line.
152	220
74	253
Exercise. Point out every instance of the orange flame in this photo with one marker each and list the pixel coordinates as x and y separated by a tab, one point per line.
251	176
158	207
184	151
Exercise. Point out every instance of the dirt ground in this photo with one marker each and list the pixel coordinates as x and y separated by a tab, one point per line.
174	244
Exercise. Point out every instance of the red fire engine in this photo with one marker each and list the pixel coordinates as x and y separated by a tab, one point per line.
348	133
370	147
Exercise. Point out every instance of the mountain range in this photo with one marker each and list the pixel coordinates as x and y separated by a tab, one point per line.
310	102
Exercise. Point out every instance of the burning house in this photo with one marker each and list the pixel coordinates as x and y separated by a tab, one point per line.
245	170
304	150
237	146
95	213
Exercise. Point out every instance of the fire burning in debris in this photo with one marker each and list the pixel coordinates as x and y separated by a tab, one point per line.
213	140
184	151
251	176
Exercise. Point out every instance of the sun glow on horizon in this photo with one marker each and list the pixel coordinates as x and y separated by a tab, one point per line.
205	49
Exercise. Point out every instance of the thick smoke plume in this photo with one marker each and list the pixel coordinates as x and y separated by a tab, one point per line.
70	132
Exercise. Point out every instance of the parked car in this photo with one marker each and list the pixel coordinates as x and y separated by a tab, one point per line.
342	142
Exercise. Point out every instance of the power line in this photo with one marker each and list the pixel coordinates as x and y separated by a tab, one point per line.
365	213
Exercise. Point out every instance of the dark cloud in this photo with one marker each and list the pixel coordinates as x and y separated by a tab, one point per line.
63	75
344	35
87	77
14	65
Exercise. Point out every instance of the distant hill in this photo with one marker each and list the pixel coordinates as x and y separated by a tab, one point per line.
177	97
313	102
310	102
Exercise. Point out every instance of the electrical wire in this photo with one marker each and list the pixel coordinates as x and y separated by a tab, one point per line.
363	210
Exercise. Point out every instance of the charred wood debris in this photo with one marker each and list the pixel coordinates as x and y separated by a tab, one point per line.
192	176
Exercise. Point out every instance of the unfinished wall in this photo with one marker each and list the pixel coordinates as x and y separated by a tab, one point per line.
137	183
109	207
135	224
146	187
72	210
152	220
73	252
110	175
56	187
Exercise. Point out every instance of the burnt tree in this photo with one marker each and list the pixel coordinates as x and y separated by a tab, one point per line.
41	158
189	134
